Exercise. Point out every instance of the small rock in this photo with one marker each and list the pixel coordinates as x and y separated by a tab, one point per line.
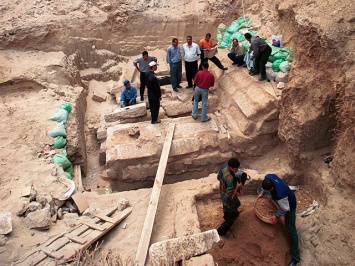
5	223
123	204
22	207
34	206
33	194
124	226
3	240
60	214
91	212
42	200
99	96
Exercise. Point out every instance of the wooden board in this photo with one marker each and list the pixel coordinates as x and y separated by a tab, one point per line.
64	246
154	199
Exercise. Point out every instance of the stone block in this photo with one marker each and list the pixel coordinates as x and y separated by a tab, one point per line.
5	223
102	153
180	249
101	134
177	108
99	96
133	111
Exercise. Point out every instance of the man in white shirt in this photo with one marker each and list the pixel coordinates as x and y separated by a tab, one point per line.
191	52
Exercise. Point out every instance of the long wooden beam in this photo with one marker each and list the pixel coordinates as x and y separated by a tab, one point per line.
154	199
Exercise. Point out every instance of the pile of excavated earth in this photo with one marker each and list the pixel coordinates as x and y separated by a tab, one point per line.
80	52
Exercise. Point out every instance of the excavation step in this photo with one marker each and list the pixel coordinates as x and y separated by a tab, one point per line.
133	151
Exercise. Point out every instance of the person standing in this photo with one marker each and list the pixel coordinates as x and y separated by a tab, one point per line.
228	188
128	94
286	200
154	92
142	65
237	53
173	58
203	80
261	53
206	44
190	51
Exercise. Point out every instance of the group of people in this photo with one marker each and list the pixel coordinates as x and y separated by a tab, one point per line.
256	58
197	76
231	184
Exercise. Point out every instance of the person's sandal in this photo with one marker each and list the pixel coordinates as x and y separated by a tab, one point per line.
208	119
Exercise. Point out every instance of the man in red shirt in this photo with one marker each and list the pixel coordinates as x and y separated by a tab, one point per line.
206	44
203	81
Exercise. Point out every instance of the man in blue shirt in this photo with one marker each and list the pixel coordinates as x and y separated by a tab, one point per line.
128	95
286	200
173	58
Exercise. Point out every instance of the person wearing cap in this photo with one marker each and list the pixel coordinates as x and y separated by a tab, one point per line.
154	92
173	58
228	189
128	94
203	80
206	44
287	202
190	51
142	65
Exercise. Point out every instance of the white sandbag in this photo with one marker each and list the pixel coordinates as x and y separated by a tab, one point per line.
60	115
270	74
285	66
59	130
281	77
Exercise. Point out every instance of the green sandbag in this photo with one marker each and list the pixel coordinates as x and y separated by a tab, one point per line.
276	65
60	115
59	142
59	130
246	45
272	58
69	176
66	106
62	160
69	170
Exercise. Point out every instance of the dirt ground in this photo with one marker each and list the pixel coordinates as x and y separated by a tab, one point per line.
250	241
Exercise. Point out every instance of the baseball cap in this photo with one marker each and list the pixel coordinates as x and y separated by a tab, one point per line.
125	82
153	63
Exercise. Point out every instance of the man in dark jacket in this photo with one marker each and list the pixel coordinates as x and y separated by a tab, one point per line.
286	199
154	92
228	188
261	53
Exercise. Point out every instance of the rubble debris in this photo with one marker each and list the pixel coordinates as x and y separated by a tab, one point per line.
34	206
40	219
5	223
123	204
99	96
22	207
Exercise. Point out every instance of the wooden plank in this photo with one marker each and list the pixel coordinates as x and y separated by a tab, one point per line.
34	259
61	242
52	253
95	226
30	258
76	239
154	199
91	236
77	178
105	218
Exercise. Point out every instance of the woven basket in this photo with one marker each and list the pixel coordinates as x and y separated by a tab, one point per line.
263	217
